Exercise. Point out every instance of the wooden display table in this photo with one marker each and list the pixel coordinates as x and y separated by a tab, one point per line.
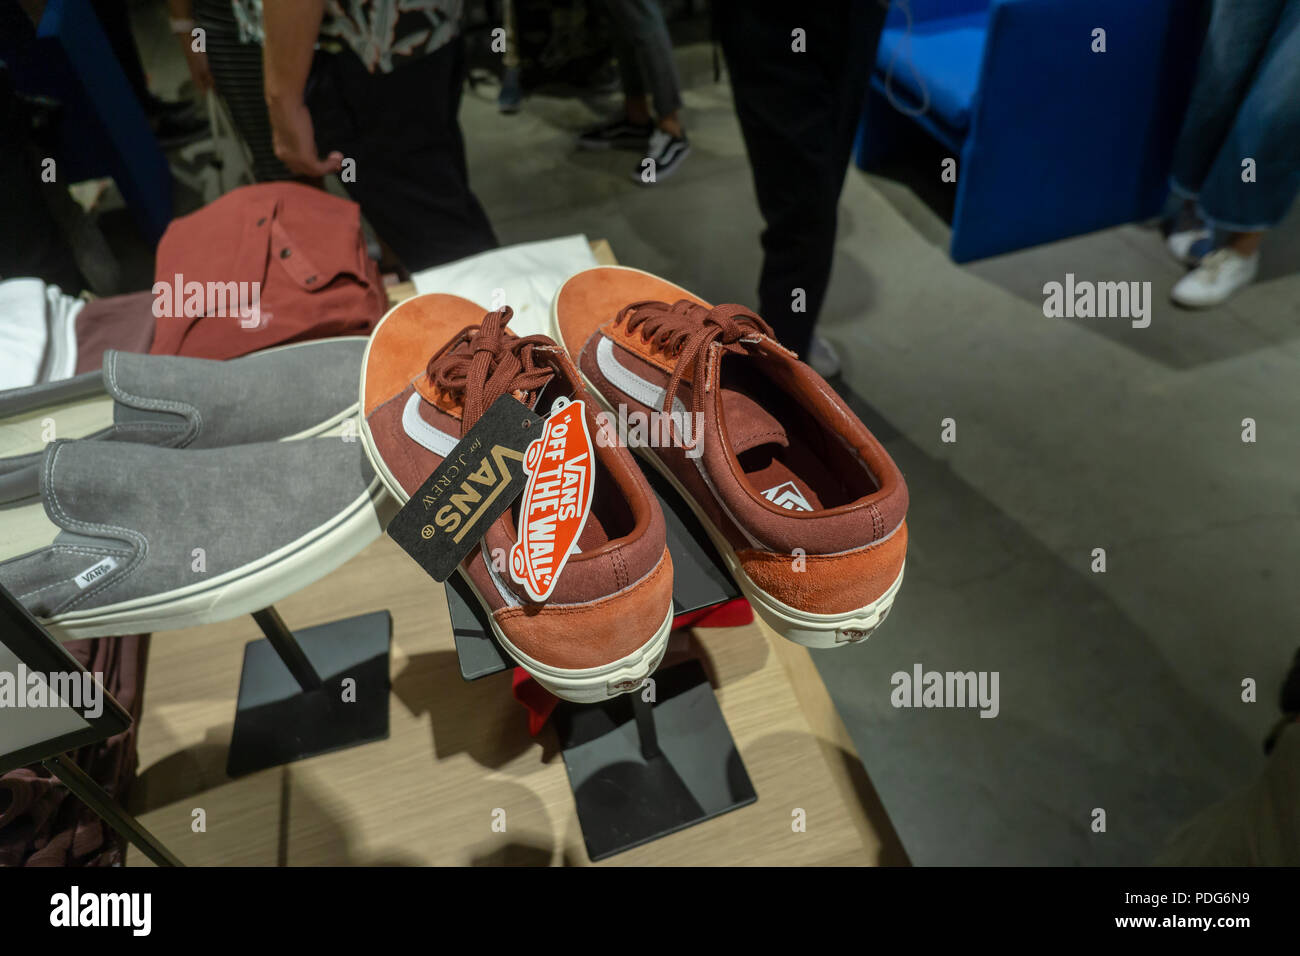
459	780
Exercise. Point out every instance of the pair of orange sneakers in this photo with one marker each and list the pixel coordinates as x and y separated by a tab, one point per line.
802	502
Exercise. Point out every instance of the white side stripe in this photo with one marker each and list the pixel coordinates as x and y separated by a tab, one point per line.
438	442
630	383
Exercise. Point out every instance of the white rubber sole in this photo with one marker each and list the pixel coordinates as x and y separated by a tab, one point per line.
243	590
24	433
802	627
367	440
583	686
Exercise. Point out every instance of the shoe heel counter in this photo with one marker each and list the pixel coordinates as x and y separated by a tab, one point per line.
591	635
829	584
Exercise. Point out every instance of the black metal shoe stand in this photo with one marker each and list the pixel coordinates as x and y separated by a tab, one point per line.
312	691
651	762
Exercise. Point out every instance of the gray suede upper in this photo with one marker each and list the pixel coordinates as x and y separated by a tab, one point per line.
144	510
199	403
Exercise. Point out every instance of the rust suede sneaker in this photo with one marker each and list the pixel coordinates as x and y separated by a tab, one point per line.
800	499
434	364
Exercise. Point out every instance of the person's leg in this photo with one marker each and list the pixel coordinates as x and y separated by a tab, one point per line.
643	38
116	22
511	58
1255	176
511	95
31	242
401	128
632	128
1238	34
798	112
237	71
636	105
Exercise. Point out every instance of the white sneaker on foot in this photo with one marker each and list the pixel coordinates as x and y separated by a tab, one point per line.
1219	275
823	357
1190	246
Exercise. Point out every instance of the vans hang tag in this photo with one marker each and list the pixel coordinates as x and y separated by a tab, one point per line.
561	474
478	480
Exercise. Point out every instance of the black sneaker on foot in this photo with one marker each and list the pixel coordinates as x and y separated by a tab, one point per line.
511	96
617	133
662	157
1289	701
174	130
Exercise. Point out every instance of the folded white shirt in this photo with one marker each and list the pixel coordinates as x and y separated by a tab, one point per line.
38	333
524	276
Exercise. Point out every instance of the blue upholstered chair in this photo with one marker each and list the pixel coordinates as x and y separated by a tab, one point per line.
1051	138
102	130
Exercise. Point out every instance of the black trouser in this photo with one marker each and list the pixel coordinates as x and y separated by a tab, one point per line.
237	71
31	243
401	129
798	112
116	23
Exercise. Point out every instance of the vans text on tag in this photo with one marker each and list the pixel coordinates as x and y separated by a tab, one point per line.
556	501
93	573
477	492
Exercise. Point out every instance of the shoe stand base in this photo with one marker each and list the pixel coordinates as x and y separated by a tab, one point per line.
277	721
641	769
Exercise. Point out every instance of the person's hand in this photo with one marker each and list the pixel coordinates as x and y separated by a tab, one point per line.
198	64
294	140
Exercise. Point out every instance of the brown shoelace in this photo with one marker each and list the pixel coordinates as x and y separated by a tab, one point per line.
684	330
482	363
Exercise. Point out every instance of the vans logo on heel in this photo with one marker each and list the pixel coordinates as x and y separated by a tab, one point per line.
852	635
626	686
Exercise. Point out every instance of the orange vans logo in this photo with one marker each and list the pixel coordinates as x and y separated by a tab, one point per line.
561	470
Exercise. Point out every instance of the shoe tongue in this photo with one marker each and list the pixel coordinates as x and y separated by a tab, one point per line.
545	396
748	425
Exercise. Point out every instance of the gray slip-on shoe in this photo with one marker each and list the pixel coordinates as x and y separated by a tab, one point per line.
291	392
128	538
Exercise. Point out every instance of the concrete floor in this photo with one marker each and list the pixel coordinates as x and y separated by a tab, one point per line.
1119	691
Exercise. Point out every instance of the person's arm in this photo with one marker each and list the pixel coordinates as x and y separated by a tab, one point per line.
291	28
182	22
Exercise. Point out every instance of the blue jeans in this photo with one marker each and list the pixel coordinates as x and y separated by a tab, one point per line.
1245	105
645	53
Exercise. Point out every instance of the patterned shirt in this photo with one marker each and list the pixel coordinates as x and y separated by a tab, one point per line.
383	33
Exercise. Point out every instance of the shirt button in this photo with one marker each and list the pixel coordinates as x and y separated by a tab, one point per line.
310	280
284	253
262	221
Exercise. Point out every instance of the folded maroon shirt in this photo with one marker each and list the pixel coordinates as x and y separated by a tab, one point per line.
122	322
295	254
